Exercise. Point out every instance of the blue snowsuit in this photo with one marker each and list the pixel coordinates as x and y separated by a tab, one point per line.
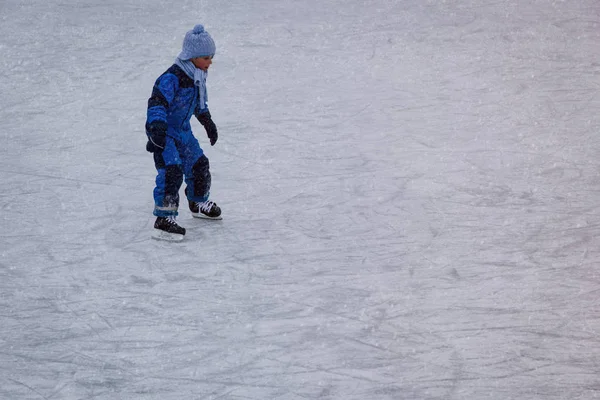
177	152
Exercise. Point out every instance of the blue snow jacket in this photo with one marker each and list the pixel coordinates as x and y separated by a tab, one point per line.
174	100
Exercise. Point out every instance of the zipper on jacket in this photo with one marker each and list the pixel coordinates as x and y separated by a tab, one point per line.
188	115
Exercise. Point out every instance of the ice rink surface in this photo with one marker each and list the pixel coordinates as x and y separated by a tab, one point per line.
411	198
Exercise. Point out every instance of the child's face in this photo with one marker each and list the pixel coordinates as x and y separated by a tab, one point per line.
202	62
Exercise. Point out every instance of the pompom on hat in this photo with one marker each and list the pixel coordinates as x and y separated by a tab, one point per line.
197	43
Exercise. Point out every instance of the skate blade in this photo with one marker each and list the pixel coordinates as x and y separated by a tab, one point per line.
157	234
202	216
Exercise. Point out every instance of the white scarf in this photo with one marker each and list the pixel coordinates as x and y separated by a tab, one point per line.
197	75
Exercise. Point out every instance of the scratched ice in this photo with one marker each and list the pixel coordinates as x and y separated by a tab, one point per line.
411	195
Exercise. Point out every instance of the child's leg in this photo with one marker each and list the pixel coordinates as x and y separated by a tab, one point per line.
168	180
199	181
197	172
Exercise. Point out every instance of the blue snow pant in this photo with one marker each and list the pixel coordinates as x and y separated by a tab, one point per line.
178	159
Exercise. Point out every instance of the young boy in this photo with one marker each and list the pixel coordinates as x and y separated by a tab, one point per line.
179	93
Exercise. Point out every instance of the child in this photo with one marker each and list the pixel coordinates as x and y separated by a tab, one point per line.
177	94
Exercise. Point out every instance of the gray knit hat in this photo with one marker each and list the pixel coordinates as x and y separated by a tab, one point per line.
197	43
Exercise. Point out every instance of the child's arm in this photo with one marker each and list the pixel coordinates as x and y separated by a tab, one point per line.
163	93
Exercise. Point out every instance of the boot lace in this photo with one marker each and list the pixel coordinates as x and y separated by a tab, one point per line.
206	206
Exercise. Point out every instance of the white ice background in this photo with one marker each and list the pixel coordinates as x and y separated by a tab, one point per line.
410	189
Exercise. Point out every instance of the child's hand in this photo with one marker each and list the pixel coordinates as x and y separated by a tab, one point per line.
157	136
208	124
211	131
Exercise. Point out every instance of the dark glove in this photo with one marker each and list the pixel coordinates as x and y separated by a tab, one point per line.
157	136
152	148
211	129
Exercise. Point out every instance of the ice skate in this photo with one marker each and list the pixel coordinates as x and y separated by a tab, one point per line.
207	210
166	228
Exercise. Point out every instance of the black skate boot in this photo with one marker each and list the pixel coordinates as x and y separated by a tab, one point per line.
208	210
166	228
